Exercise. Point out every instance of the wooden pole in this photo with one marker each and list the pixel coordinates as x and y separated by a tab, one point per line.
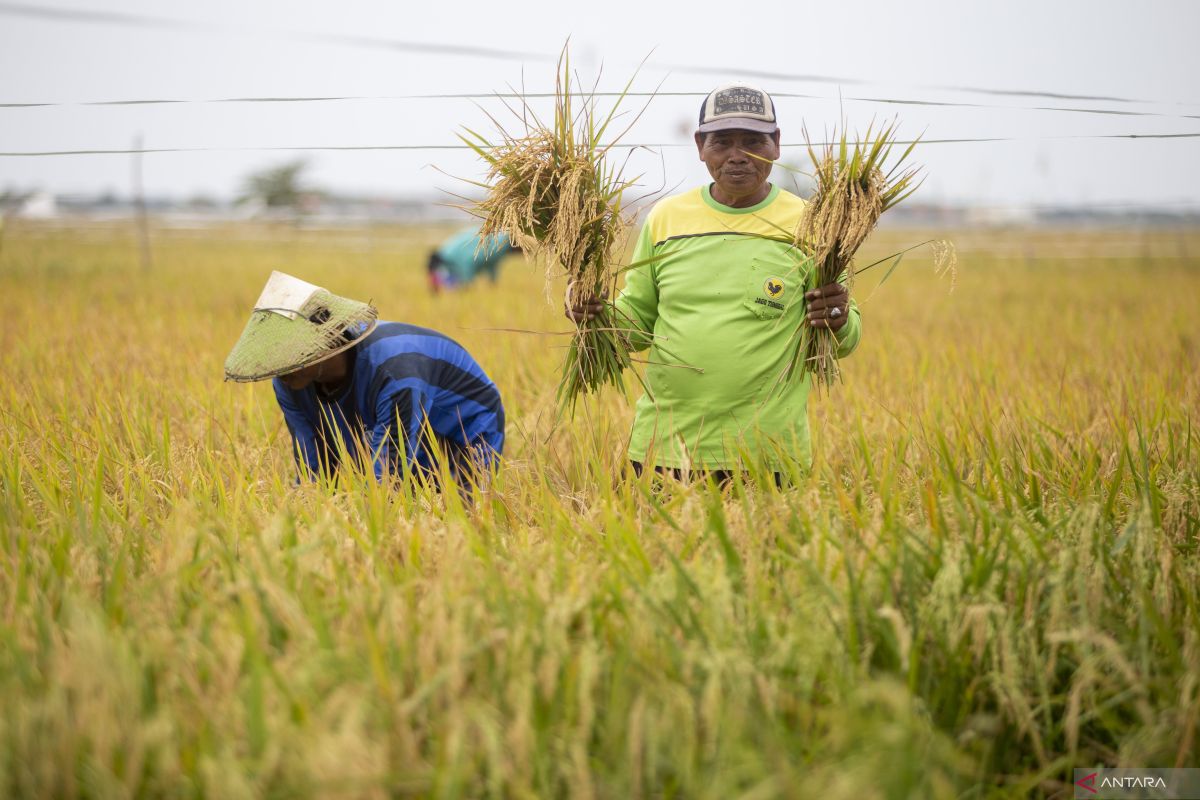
139	200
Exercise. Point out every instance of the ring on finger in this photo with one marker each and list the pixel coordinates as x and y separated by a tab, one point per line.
835	312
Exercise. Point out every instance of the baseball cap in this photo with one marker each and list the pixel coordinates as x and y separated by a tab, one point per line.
738	106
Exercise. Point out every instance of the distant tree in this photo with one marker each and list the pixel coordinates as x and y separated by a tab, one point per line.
11	199
10	203
203	202
277	187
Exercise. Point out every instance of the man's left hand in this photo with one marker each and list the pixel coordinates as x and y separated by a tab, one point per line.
828	306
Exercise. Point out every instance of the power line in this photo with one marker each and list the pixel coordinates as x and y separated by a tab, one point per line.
647	146
381	43
478	96
1164	204
165	23
788	76
949	104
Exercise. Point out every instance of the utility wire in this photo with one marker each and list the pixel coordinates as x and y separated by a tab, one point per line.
374	42
648	146
542	95
1153	206
164	23
787	76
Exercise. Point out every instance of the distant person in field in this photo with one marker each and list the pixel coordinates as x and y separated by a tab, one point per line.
725	297
465	256
388	395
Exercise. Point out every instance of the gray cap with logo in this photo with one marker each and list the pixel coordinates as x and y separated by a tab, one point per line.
738	106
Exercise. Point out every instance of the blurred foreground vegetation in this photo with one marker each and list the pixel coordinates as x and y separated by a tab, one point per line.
990	577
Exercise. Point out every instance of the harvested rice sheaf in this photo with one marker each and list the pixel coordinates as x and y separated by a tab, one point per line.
557	195
855	183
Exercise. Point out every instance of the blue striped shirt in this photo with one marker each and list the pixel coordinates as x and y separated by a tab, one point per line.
403	378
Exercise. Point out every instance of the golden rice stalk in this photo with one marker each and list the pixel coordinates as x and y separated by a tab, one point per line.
557	194
852	192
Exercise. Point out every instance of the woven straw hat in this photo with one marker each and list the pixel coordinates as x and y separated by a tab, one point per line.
295	324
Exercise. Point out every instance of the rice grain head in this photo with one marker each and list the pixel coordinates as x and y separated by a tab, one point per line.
852	193
552	191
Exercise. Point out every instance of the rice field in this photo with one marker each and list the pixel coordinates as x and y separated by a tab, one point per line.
990	576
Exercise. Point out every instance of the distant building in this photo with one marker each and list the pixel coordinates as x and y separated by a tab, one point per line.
1001	216
39	205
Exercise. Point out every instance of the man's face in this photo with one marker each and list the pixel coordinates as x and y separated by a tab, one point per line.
301	378
739	161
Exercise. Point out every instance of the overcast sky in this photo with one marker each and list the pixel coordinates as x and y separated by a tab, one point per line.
1143	51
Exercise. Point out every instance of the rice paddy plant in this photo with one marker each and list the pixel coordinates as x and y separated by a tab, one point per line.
990	576
856	181
557	191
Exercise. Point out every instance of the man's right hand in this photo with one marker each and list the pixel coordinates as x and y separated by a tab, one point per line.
585	309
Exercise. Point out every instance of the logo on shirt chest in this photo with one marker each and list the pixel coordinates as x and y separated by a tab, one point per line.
774	289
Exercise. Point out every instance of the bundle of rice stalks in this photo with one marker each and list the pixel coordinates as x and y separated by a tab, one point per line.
557	194
852	192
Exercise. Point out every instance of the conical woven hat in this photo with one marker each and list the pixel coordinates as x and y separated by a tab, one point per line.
295	324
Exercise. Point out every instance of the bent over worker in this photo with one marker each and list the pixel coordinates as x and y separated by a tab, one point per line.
386	394
465	256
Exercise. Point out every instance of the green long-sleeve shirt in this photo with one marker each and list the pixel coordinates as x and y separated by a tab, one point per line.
719	308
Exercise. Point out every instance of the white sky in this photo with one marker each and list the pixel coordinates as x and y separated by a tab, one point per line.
1140	50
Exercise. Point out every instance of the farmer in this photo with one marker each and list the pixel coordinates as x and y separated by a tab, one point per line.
464	256
385	394
718	299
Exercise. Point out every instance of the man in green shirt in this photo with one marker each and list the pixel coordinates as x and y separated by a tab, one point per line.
718	302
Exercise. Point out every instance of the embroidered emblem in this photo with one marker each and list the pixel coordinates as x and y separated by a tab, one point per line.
773	287
739	100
